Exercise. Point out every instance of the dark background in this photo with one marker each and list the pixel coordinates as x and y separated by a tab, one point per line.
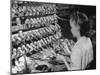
64	12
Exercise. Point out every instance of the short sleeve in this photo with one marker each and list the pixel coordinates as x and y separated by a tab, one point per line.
76	59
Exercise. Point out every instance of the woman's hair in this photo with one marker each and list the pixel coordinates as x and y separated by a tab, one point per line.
82	20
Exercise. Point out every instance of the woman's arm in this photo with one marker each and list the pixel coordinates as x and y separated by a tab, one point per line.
61	57
67	65
75	60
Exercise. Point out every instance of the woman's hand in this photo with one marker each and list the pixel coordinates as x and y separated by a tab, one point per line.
60	57
42	62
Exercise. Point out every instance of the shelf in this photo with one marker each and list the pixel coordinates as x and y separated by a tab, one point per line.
37	48
35	16
24	29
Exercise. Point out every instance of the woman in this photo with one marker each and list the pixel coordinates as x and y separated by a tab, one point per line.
82	52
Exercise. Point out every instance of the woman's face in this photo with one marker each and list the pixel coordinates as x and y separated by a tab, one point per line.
74	28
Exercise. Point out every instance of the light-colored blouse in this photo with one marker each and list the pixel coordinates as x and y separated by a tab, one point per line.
82	54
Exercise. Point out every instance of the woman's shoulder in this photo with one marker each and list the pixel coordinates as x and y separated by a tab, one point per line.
87	42
83	43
